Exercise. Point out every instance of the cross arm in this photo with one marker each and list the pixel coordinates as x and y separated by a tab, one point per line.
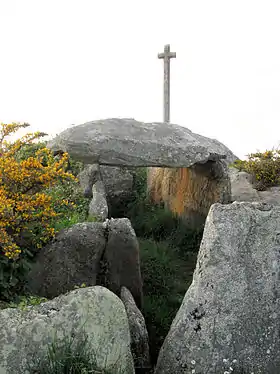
168	55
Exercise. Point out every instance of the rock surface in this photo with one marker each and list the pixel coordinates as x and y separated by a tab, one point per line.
117	186
122	259
230	156
138	331
98	206
71	259
118	181
94	311
242	189
271	195
241	186
87	177
231	310
93	253
128	142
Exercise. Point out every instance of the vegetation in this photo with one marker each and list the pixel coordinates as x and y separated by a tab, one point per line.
22	302
264	167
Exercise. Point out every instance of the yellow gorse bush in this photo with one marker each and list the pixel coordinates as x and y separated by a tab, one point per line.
22	185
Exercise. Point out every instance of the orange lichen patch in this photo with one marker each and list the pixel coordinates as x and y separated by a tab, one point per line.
186	191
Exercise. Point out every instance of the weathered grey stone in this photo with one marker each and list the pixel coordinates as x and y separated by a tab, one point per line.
271	195
241	186
94	312
128	142
87	177
230	156
98	206
117	186
138	331
93	253
118	181
71	259
122	259
231	310
242	189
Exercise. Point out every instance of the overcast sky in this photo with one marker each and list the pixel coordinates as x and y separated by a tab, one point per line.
66	62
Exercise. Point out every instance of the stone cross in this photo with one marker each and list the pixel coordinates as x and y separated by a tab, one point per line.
166	55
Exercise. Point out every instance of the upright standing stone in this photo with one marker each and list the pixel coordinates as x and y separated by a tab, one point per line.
229	320
122	260
138	332
167	55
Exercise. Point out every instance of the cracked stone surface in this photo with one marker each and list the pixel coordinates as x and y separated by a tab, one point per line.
103	253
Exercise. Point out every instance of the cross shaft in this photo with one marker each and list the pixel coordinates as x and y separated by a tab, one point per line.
166	56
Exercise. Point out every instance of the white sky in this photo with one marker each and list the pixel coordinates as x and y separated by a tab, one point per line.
66	62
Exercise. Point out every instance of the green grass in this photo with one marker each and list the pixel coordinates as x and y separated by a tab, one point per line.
166	278
22	302
72	355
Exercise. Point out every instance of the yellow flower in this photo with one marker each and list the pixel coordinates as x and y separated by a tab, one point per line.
19	206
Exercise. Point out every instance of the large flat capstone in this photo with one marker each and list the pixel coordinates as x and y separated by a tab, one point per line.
127	142
229	320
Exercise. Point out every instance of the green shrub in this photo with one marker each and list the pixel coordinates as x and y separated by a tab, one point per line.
75	167
71	192
264	167
12	276
29	150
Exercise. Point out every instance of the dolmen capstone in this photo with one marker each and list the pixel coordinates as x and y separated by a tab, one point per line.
127	142
197	164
